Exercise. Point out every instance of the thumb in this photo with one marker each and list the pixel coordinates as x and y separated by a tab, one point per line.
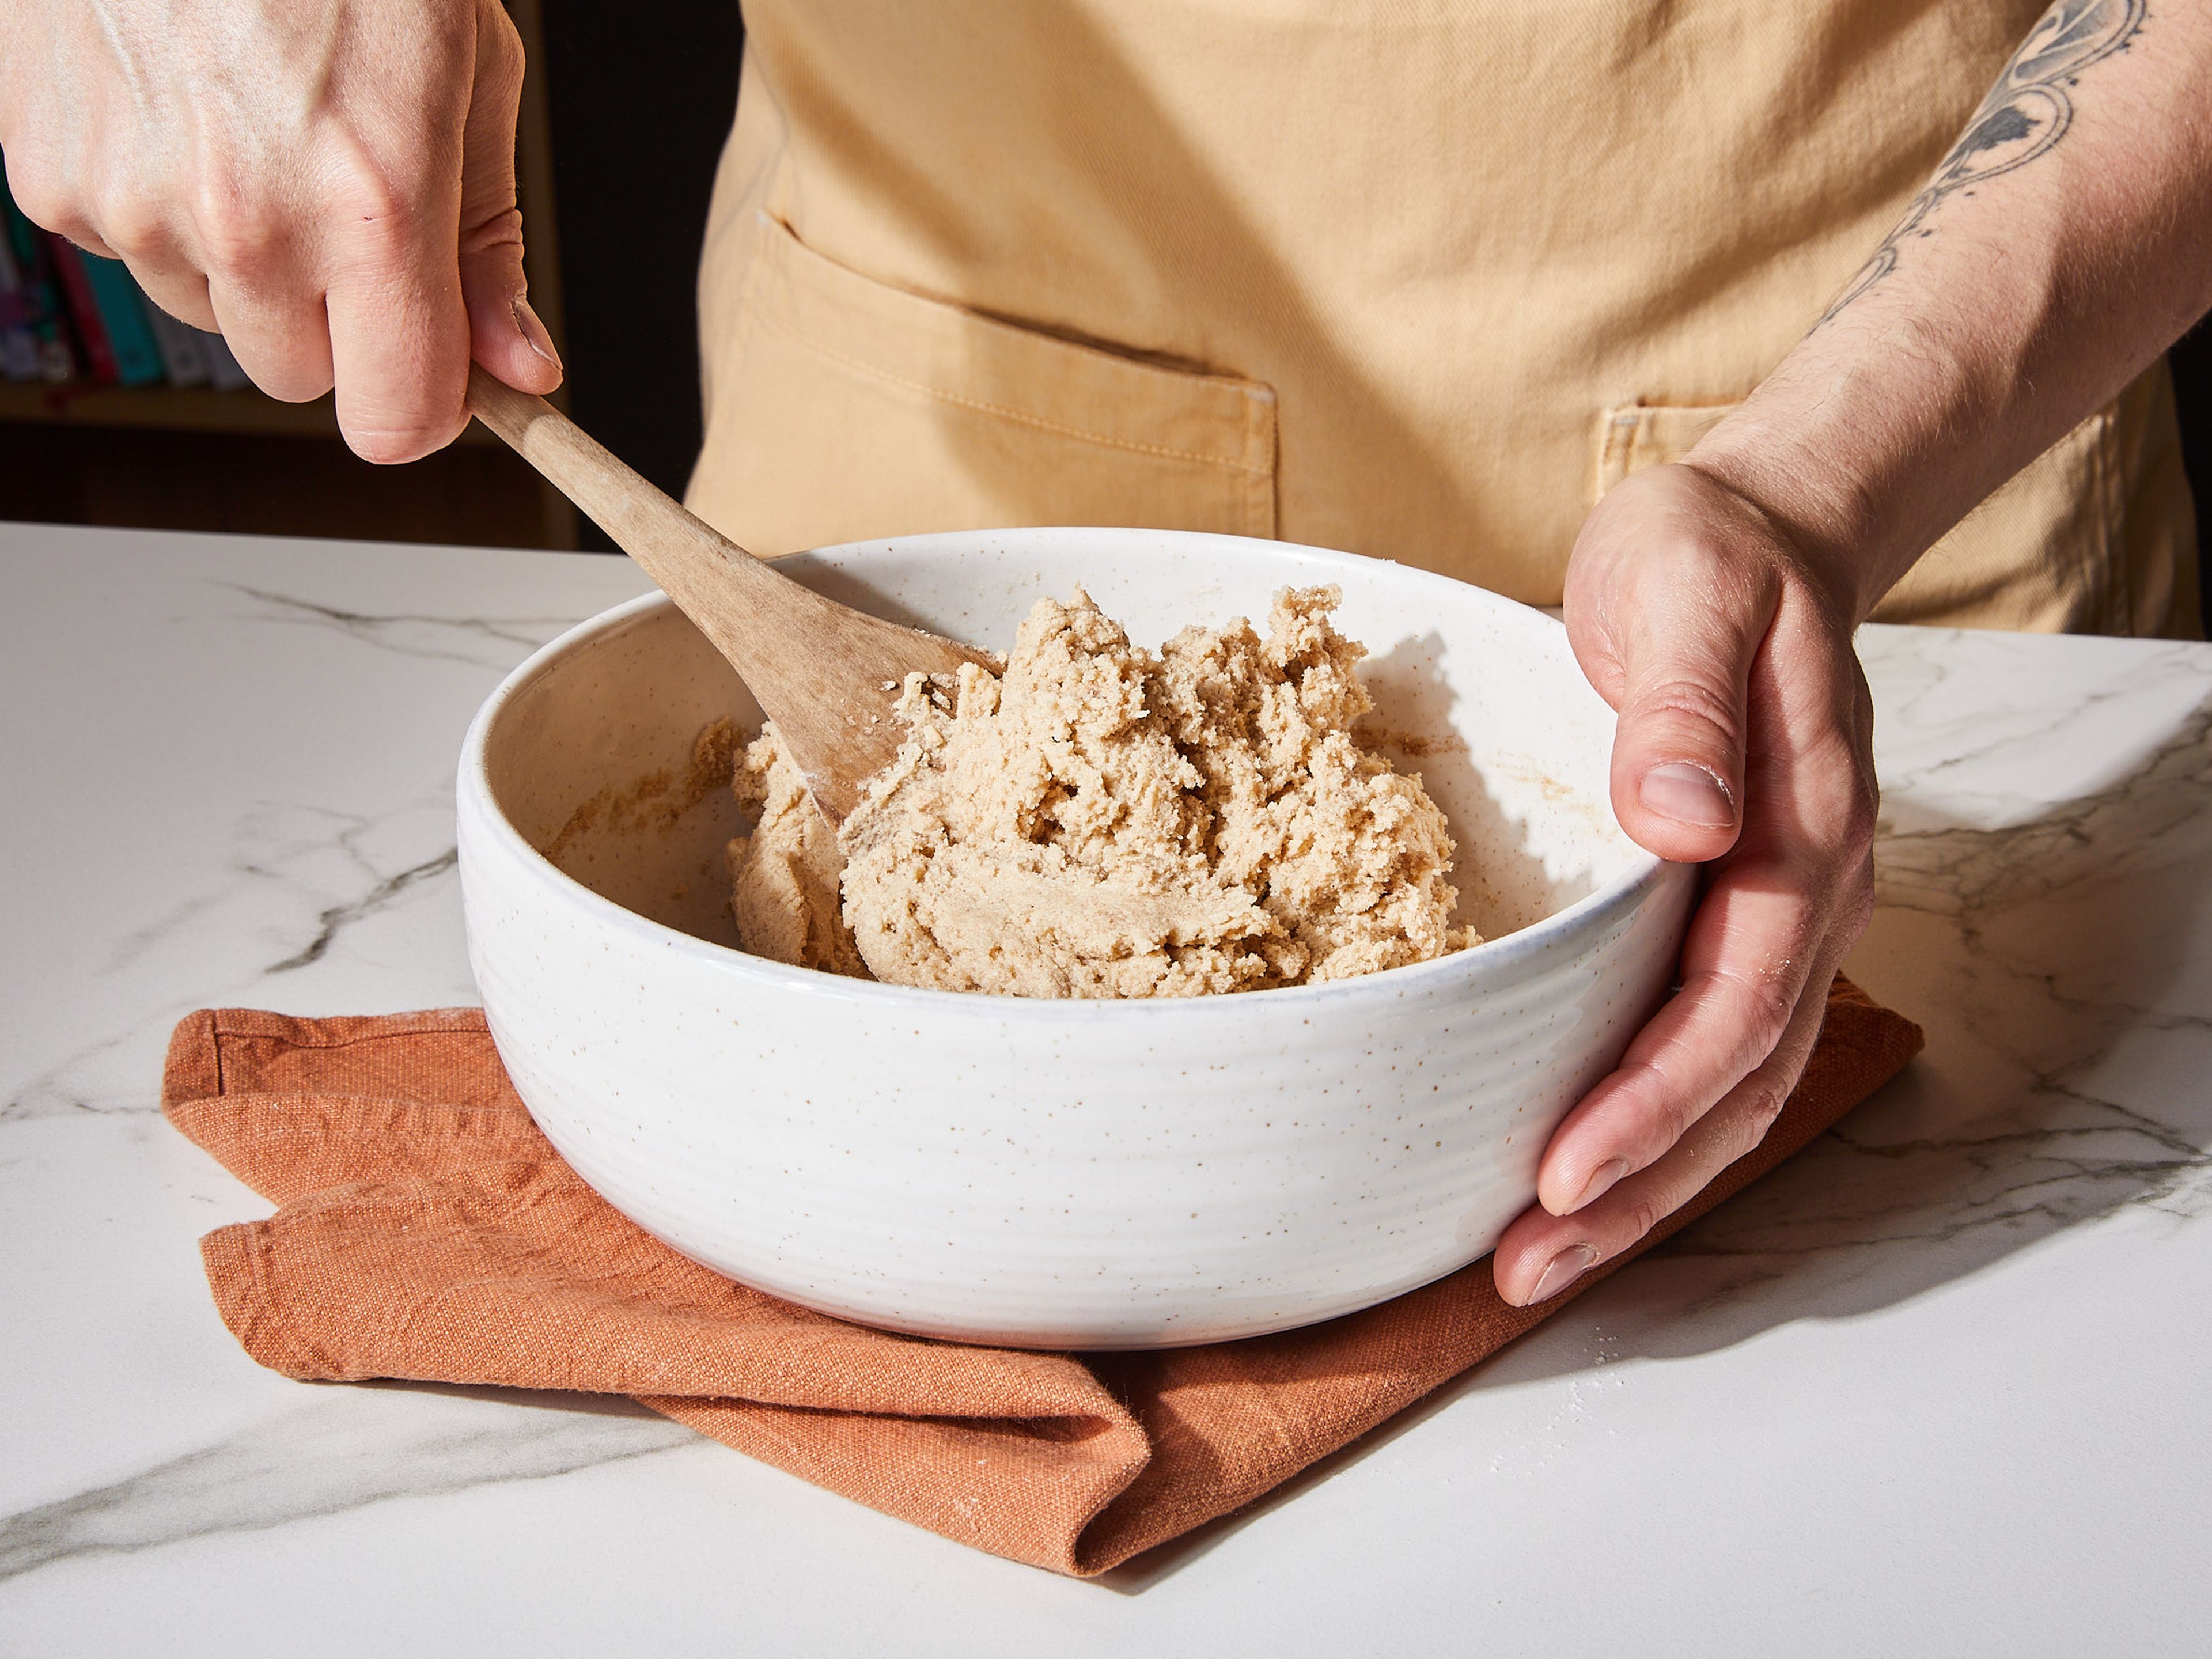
505	335
1678	747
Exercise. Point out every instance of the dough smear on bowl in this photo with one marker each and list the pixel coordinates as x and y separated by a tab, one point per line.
1104	821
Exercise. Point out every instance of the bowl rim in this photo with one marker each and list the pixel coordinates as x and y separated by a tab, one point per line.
1491	958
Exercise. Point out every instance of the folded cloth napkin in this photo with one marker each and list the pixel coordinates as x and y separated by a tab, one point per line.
427	1231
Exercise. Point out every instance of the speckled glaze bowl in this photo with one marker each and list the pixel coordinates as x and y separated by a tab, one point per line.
1046	1174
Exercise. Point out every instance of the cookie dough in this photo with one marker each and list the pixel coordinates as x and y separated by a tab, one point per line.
783	877
1101	821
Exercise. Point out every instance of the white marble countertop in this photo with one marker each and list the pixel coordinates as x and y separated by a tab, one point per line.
1939	1386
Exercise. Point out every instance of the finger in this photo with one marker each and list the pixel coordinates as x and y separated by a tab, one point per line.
41	197
144	232
399	330
1542	1253
1789	899
83	236
181	292
279	333
1746	964
505	335
1781	906
1678	747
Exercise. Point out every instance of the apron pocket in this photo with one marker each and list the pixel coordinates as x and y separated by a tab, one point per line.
845	409
2041	554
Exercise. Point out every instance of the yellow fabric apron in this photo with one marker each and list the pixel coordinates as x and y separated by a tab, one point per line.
1412	278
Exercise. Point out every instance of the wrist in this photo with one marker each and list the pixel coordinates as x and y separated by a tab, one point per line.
1823	517
1888	423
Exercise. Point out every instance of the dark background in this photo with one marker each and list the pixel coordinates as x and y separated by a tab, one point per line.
641	98
2192	395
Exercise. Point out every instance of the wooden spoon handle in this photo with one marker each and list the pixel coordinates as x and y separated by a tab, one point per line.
825	673
700	569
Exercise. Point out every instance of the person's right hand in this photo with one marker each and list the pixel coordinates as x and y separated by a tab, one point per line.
329	183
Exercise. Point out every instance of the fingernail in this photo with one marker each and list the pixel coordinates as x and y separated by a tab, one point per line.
1601	1182
1688	794
534	331
1561	1270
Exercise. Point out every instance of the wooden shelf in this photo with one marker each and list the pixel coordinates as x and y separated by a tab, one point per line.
166	408
178	409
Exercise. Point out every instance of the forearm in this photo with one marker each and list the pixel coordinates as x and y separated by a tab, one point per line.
2065	243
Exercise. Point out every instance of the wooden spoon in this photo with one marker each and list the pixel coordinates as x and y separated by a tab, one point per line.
826	674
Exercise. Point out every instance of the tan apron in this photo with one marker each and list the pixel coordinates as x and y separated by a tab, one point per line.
1412	278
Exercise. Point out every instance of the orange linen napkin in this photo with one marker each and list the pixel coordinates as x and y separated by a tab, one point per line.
427	1231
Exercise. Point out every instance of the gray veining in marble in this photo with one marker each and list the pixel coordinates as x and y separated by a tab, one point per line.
320	1460
482	642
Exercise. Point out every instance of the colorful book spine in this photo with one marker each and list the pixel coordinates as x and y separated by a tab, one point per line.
41	303
62	258
19	347
123	314
184	359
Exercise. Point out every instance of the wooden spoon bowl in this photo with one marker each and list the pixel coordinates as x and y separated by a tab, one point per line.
826	674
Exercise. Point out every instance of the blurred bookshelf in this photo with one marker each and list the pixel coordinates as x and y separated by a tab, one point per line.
200	457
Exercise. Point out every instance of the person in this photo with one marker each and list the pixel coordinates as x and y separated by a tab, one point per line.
1423	280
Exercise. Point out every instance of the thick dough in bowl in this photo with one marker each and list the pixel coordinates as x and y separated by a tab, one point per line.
1104	821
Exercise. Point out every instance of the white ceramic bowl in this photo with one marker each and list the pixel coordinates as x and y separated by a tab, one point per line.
1048	1174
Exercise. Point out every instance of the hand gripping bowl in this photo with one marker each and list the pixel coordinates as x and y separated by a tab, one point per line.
1049	1174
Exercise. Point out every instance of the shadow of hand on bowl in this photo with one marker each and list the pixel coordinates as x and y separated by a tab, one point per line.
1502	886
2035	951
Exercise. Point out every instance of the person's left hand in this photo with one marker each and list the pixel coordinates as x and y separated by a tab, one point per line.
1744	743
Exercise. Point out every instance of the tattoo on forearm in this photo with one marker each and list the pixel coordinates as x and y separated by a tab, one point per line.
2024	116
